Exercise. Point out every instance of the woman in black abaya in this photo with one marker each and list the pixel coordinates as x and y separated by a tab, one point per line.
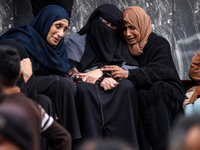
43	39
106	107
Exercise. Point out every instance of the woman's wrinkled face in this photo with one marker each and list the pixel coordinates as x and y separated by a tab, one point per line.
57	31
131	34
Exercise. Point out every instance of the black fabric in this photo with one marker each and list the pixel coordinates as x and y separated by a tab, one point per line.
21	50
103	44
157	67
159	91
107	114
28	88
61	90
37	5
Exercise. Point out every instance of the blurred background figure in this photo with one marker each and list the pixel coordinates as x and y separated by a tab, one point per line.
105	145
37	5
186	134
15	132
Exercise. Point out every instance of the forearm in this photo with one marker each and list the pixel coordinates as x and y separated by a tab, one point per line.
58	137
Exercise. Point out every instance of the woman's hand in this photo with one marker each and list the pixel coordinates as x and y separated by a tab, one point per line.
26	68
92	76
108	83
116	71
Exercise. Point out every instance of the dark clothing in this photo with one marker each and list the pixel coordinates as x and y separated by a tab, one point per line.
107	114
37	5
47	59
36	117
103	114
159	90
61	90
33	38
29	90
104	44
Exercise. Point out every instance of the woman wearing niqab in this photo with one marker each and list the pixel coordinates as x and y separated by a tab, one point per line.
50	64
103	113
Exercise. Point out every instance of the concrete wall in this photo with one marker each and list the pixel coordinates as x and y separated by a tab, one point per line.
176	20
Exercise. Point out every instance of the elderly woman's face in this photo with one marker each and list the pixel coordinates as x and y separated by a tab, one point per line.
131	35
57	31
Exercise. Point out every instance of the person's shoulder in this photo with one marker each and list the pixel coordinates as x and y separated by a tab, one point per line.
159	39
76	37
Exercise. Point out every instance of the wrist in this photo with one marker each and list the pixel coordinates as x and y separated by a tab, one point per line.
101	72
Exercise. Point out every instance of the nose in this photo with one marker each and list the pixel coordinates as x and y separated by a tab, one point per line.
61	33
128	32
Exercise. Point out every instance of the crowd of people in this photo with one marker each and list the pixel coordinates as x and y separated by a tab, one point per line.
111	86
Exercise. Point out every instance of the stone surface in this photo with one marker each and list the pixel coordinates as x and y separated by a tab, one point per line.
176	20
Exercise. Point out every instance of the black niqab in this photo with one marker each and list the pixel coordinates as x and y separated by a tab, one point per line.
104	45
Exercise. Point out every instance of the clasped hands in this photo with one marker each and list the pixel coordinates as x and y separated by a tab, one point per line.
108	83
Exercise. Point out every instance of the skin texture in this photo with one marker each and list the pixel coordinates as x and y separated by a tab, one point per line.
92	76
109	84
108	24
116	71
6	144
57	31
192	139
26	68
132	36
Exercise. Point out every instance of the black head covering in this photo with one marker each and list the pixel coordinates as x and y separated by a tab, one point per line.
103	44
33	38
21	50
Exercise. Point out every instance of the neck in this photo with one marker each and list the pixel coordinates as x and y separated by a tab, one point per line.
10	90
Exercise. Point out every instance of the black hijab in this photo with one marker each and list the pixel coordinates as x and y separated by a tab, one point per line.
33	38
104	45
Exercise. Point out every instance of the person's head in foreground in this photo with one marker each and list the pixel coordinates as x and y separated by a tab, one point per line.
186	134
9	66
105	144
15	132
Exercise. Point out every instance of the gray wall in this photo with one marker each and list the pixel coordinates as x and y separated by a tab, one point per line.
176	20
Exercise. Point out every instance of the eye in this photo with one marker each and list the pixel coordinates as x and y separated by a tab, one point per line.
58	26
108	23
105	22
132	27
65	29
113	27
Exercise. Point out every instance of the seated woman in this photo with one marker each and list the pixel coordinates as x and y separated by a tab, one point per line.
159	89
106	107
43	39
192	100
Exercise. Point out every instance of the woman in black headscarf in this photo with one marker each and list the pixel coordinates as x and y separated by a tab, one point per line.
43	40
105	106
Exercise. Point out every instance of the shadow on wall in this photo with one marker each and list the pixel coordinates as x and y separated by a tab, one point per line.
176	20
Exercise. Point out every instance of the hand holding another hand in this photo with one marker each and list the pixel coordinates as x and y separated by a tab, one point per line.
108	84
116	71
92	76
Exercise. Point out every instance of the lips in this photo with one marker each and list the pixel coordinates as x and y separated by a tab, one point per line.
131	39
56	40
